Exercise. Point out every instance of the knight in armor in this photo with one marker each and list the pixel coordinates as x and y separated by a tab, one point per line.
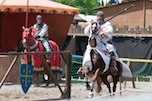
104	34
42	34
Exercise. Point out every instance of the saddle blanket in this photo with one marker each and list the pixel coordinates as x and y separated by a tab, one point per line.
87	62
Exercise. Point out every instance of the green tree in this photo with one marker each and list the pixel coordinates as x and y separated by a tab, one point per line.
85	6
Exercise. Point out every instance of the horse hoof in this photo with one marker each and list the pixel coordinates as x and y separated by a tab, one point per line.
37	85
90	95
88	87
47	84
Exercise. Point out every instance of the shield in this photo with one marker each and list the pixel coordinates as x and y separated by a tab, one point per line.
26	76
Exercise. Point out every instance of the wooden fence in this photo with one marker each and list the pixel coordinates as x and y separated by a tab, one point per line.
66	93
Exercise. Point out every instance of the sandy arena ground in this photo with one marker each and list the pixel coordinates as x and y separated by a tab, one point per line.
10	92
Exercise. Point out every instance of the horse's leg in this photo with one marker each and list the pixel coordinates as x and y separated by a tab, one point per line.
89	83
120	80
96	74
47	76
37	79
115	80
91	89
93	80
88	87
56	76
48	79
104	79
97	85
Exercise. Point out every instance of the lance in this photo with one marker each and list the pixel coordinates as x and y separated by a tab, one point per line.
26	21
120	12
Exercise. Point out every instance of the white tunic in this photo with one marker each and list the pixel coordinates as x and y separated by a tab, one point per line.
102	47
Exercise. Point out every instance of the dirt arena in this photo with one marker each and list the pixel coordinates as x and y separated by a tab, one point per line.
11	92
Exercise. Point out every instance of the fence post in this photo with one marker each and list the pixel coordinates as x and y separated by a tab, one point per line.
133	80
67	92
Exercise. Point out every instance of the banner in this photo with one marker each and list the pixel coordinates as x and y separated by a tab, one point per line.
116	1
104	2
100	1
120	1
108	1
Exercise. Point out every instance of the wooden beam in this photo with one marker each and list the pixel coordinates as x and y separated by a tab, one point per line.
51	73
31	53
136	60
67	91
133	80
8	71
115	35
144	13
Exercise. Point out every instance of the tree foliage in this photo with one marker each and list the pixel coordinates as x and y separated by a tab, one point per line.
85	6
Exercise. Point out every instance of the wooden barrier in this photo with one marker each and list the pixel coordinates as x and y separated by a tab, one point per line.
66	94
5	62
129	63
136	60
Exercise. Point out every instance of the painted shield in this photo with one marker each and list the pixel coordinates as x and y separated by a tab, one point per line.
26	76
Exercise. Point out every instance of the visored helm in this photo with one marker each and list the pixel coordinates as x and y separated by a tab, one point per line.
100	13
39	19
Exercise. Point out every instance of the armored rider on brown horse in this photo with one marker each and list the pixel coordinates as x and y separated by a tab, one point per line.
100	58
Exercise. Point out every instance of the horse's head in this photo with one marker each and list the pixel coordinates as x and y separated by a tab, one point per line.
95	27
27	37
94	31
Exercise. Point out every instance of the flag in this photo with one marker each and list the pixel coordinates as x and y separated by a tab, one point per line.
104	2
120	1
100	1
108	1
116	1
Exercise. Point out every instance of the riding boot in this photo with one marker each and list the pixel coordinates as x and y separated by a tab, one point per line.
113	64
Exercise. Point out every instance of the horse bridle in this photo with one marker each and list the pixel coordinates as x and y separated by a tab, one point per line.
95	29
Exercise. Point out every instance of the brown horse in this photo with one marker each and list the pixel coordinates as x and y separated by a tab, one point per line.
30	42
98	66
